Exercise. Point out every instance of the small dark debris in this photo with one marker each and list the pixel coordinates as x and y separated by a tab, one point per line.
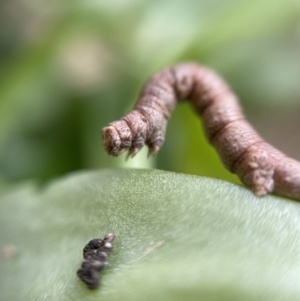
95	253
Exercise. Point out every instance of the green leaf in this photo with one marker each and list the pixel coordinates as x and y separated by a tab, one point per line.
178	237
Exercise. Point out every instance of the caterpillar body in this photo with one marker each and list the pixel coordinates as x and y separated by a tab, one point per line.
258	164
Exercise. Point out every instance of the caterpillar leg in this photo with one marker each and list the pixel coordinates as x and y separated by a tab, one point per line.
256	169
261	181
287	178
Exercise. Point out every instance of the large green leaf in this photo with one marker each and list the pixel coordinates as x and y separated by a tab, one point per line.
179	237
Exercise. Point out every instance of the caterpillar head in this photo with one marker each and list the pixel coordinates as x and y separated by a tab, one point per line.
116	138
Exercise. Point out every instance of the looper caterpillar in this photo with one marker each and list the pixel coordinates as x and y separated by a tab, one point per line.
258	164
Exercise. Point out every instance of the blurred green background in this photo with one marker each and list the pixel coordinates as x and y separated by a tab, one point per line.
70	67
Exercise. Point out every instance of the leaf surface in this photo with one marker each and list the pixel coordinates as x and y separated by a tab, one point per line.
178	237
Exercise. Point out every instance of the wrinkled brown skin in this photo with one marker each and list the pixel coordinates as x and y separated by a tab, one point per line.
258	164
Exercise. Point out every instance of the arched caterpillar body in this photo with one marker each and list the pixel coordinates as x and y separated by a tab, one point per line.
258	164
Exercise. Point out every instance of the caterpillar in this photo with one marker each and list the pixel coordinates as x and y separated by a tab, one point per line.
95	255
242	150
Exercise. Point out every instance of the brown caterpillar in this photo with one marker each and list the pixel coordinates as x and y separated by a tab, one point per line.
258	164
